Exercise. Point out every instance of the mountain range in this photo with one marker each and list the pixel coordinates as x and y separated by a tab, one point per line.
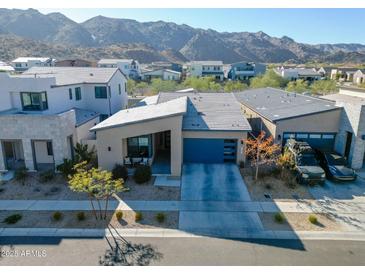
29	32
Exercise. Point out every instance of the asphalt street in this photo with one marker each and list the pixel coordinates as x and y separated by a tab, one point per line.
178	251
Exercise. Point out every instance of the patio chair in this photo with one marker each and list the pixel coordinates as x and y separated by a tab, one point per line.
145	161
127	161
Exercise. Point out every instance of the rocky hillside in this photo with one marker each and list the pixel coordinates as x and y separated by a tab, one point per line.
55	34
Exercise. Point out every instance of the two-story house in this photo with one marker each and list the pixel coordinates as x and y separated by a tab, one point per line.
245	70
23	63
206	69
45	111
293	74
130	67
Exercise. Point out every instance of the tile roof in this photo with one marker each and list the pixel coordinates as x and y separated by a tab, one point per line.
275	104
73	75
210	111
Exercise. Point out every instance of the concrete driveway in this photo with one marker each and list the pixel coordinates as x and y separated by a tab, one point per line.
213	182
216	182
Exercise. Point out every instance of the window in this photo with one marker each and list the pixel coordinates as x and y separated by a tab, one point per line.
70	93
34	100
302	136
18	65
140	146
49	148
109	92
328	136
100	92
120	89
78	93
315	136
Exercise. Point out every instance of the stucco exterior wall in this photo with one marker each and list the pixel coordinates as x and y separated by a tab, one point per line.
83	132
114	138
258	122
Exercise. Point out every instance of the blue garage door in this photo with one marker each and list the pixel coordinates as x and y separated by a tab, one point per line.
198	150
323	141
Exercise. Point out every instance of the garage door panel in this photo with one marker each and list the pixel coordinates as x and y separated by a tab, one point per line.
203	150
325	141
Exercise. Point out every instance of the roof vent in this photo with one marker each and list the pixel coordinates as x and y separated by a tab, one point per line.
91	74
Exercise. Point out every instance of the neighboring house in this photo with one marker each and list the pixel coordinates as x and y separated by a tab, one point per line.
74	63
245	70
129	67
343	74
45	111
175	128
4	67
350	141
164	65
325	72
23	63
206	69
359	77
164	74
293	74
286	115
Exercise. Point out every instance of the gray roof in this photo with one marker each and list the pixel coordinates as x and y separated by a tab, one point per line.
210	111
73	75
305	71
275	104
144	113
343	98
83	115
208	63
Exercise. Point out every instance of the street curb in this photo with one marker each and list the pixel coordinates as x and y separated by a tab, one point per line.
174	233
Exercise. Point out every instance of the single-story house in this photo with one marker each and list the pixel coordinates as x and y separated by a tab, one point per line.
164	74
359	77
286	115
173	129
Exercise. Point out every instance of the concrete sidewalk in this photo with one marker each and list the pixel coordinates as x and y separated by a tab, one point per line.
319	206
169	233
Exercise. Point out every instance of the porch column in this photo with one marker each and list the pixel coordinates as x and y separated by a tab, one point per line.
176	152
28	154
2	158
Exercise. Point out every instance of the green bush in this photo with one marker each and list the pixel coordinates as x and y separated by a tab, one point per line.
138	216
46	176
13	219
142	174
313	219
66	168
80	216
21	174
279	217
120	172
119	215
57	216
160	217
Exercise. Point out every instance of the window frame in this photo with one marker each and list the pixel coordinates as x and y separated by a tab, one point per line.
78	95
43	105
99	96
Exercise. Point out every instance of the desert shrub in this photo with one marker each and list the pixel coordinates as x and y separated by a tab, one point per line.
120	172
21	174
80	216
142	174
279	217
13	219
119	215
160	217
57	216
268	186
138	216
46	176
313	219
66	168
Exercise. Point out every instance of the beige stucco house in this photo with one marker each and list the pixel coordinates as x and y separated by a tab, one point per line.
174	128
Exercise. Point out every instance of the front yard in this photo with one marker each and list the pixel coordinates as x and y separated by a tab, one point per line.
271	187
57	189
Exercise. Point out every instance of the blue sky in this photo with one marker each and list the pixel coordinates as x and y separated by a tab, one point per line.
303	25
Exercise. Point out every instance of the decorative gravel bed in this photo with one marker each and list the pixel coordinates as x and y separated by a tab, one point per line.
43	219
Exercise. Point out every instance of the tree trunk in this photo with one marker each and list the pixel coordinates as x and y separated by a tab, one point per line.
257	172
92	205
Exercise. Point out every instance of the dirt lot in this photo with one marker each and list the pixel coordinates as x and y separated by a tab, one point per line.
299	222
276	188
43	219
57	189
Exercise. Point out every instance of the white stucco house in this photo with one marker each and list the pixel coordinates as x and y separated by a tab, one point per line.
206	69
130	67
293	74
164	74
23	63
4	67
45	111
